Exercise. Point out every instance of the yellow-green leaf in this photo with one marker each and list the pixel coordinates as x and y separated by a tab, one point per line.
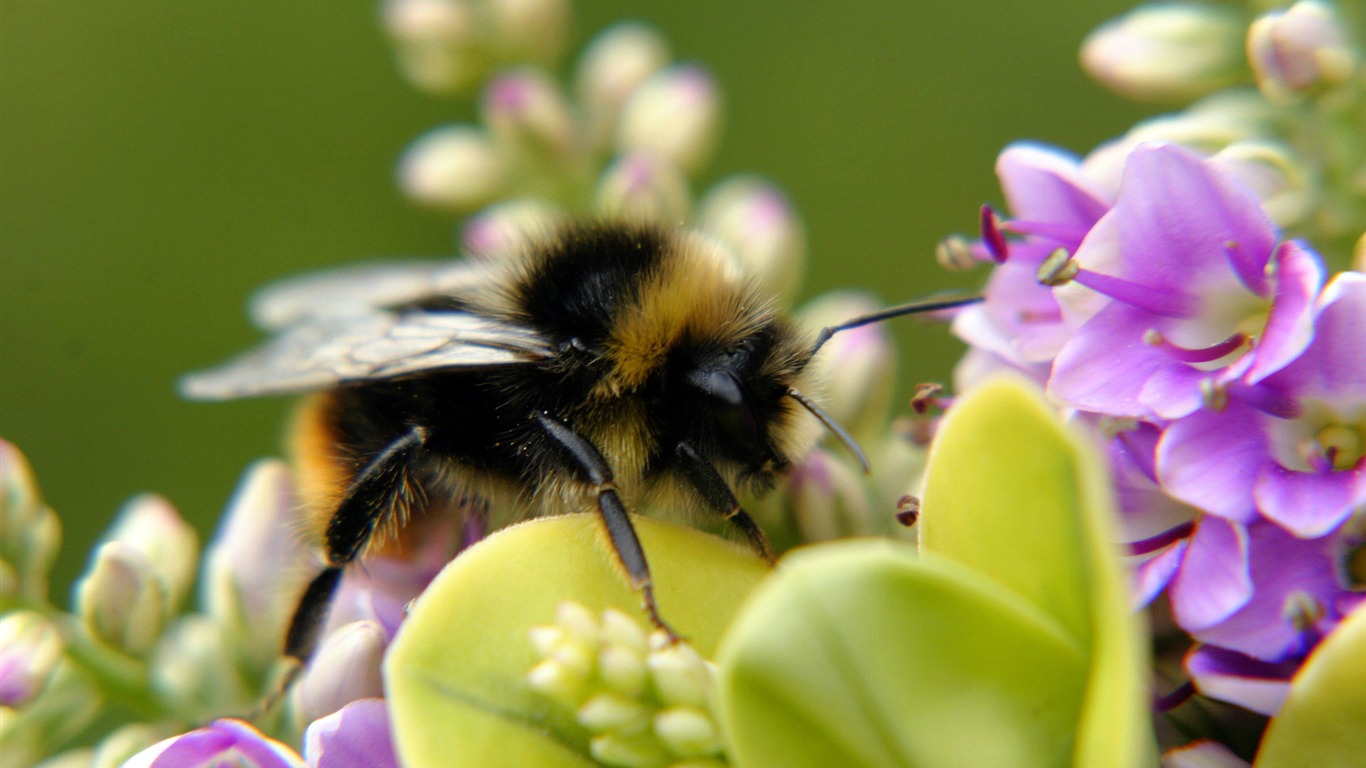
1018	497
456	674
861	655
1323	721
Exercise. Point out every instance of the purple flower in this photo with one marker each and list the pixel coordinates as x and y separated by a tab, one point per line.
222	743
1054	205
1293	447
1199	292
1230	676
357	736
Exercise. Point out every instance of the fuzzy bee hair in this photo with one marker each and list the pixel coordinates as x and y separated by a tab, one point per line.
609	363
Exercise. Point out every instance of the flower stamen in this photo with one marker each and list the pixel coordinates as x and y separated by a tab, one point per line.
1154	543
1154	338
992	237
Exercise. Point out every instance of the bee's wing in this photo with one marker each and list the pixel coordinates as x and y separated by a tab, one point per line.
361	289
378	345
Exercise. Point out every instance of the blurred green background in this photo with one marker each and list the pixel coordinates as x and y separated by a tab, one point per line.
162	159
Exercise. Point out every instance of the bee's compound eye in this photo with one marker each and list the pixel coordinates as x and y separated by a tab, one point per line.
731	409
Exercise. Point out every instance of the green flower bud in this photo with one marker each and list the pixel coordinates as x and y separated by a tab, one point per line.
679	674
30	532
30	648
436	43
687	731
828	499
453	167
1166	52
1299	51
643	187
121	600
676	114
612	712
614	65
115	749
857	366
635	750
531	120
1274	174
150	525
193	673
526	30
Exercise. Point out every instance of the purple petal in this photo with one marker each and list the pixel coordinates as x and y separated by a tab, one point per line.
1043	183
1333	367
1177	217
1154	574
1290	324
356	736
1020	319
224	742
1213	582
1228	676
1310	504
1210	460
1285	571
1105	364
1202	754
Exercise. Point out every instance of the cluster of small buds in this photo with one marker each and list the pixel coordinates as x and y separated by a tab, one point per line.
126	653
1175	291
646	701
623	140
1279	99
449	46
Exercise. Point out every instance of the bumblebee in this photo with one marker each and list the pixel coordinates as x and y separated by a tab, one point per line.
608	362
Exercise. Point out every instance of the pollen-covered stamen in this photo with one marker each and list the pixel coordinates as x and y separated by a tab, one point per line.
927	396
1304	612
1214	395
1249	273
1154	338
957	254
992	237
1059	268
1178	696
1334	448
1154	543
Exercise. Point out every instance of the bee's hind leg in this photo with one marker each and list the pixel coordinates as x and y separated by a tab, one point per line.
384	493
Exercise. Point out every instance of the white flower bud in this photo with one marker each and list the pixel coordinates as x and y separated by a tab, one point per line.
121	599
681	676
1299	51
30	532
453	167
756	220
613	65
687	732
643	187
1167	51
30	647
529	117
505	229
622	669
150	525
558	682
676	114
345	668
436	43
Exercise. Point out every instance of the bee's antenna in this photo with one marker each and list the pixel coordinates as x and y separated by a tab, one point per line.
832	425
914	308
